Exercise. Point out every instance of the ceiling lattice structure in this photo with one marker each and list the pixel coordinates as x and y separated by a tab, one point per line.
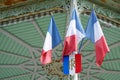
22	38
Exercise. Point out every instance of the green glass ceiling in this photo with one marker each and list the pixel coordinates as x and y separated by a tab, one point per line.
21	40
21	44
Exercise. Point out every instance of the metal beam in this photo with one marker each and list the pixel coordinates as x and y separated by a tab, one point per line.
27	62
38	28
54	50
112	60
85	44
107	4
42	78
30	72
114	44
17	39
15	66
16	76
9	66
88	70
106	71
14	54
89	55
94	77
35	64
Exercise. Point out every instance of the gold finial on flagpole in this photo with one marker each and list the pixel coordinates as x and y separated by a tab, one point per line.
93	6
51	13
74	3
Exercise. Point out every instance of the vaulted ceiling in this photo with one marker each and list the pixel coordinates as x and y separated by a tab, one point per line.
23	26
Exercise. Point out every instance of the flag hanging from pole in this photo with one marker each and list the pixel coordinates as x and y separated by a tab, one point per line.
72	64
75	33
95	34
51	41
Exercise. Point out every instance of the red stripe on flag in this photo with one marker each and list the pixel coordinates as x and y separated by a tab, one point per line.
101	50
69	45
46	57
78	63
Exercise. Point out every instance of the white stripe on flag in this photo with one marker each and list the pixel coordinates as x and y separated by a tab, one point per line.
97	31
48	42
71	29
72	64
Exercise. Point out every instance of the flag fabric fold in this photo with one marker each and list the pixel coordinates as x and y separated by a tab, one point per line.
95	34
72	64
74	34
51	41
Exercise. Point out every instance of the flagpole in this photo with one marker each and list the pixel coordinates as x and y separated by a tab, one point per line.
73	5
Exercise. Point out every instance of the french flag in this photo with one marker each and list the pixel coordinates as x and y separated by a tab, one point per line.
72	64
74	35
51	41
95	34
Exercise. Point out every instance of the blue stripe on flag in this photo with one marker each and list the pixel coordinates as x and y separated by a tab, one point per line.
78	23
56	39
66	64
90	26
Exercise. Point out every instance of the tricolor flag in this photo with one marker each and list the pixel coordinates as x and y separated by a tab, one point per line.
51	41
74	34
95	34
72	64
